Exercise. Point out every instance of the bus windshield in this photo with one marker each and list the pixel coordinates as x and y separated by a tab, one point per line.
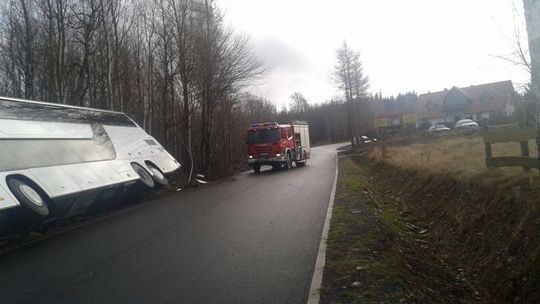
263	136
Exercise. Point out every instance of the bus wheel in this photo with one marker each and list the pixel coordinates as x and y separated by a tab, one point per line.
257	168
30	196
144	177
159	177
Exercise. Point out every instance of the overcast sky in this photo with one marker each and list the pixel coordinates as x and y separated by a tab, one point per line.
420	45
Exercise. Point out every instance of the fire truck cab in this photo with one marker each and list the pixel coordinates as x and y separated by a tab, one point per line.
278	145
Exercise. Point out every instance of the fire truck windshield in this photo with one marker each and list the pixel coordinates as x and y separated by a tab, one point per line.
263	136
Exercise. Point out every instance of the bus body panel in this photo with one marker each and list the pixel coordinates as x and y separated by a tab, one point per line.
91	176
106	174
6	199
55	180
27	129
60	181
69	151
136	144
164	163
129	142
122	167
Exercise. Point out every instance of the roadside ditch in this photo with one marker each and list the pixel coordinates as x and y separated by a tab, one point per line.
402	236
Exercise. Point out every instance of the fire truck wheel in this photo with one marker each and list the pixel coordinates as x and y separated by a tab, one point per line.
301	163
257	169
288	162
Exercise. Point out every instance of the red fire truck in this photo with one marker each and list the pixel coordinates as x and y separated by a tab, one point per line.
278	145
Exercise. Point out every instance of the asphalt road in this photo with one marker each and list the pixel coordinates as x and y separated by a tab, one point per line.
247	239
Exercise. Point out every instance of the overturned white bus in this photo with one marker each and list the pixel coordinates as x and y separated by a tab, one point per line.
56	160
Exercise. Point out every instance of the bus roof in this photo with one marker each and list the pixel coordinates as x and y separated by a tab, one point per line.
20	109
57	105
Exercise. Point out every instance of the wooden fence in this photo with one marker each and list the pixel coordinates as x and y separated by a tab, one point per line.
519	133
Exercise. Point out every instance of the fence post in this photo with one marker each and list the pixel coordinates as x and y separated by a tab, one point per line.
538	142
488	146
524	145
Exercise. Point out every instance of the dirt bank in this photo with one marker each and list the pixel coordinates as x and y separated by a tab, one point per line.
377	255
491	229
436	238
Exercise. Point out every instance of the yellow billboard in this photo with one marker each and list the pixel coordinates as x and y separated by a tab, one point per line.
382	122
409	118
396	120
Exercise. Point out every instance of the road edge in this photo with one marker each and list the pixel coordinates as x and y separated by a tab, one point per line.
316	280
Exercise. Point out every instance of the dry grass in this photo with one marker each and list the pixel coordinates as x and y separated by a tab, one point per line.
460	156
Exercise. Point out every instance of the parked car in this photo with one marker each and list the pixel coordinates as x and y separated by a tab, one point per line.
437	128
466	124
365	140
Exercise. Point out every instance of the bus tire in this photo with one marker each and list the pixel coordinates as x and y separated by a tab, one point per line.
158	176
145	178
256	168
31	197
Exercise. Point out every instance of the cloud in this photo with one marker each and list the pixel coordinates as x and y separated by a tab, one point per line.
405	45
279	56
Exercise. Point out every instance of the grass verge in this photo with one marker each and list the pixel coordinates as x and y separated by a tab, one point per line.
458	155
377	255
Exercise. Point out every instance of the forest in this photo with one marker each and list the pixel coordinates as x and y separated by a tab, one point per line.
173	66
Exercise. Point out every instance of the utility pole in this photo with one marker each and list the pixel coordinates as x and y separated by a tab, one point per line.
532	20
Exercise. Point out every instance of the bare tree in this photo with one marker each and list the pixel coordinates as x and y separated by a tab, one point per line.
298	102
86	23
520	52
171	65
225	65
349	77
19	38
